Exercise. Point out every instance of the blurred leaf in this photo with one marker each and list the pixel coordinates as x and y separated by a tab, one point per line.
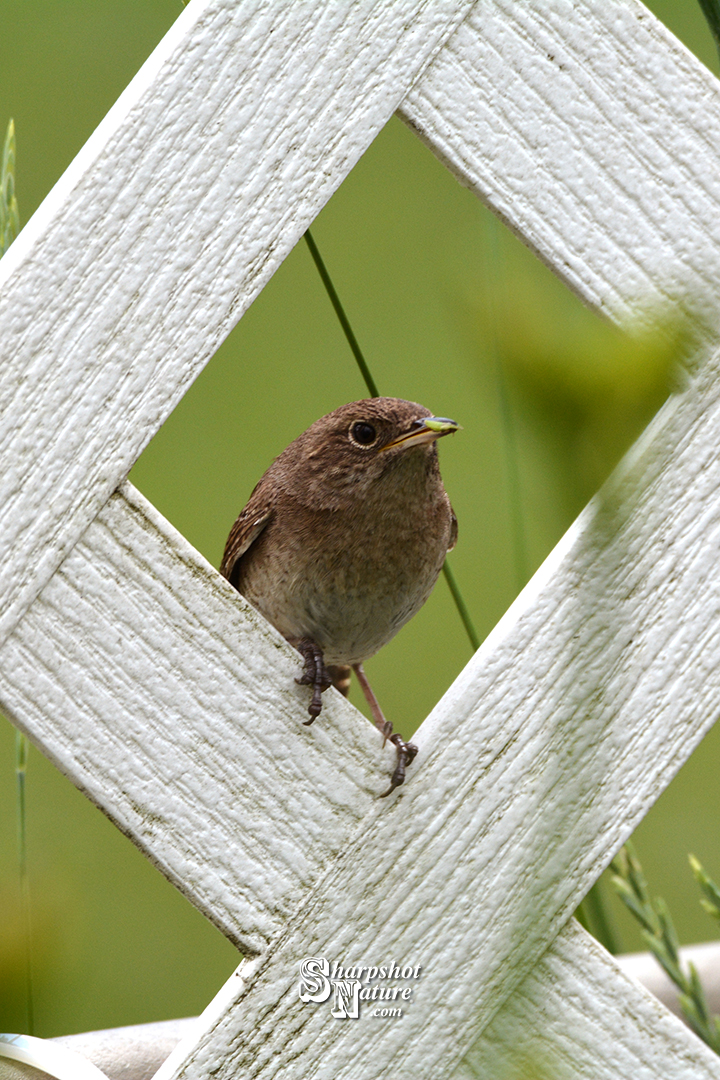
13	954
711	901
660	937
592	392
711	11
9	215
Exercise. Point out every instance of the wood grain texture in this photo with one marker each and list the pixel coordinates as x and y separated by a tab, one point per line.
577	1016
162	694
184	201
535	766
538	762
590	130
576	1005
169	701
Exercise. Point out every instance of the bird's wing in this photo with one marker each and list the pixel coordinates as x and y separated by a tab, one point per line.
453	530
251	522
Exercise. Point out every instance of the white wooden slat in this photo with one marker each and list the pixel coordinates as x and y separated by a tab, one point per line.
244	814
577	1016
597	666
172	704
177	211
575	978
595	135
538	762
553	607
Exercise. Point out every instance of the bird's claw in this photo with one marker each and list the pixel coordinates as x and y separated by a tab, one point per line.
406	753
314	674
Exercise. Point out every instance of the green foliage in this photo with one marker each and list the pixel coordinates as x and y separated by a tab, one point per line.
659	934
589	385
710	902
9	228
594	916
9	216
711	11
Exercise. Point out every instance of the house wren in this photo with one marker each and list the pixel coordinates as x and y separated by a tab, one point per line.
343	539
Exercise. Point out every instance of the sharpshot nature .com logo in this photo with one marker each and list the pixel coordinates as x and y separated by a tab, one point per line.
385	990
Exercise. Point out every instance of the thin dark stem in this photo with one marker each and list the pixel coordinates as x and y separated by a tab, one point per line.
461	606
340	312
374	392
711	11
21	755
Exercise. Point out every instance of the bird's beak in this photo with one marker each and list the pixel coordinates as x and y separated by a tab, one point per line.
426	430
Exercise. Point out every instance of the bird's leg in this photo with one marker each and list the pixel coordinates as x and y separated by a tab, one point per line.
406	752
340	675
314	674
381	723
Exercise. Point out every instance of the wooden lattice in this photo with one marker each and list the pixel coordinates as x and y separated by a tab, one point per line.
139	671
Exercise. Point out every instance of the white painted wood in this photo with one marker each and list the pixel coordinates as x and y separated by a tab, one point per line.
253	829
538	762
177	211
134	1052
172	704
594	134
556	738
566	1010
50	1059
578	1016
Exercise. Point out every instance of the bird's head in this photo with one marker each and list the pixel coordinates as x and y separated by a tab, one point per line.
362	449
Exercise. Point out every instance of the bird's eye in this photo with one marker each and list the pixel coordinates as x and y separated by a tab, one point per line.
363	433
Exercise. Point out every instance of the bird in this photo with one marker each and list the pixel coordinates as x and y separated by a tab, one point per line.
343	539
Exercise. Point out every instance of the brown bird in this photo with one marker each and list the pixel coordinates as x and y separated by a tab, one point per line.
343	539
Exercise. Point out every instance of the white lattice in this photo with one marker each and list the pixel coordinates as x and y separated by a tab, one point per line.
136	668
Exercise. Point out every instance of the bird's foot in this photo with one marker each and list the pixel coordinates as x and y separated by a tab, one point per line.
406	753
314	674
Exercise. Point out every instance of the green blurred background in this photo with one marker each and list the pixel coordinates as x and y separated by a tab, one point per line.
451	311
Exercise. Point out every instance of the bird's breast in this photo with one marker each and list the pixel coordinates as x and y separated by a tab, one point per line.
347	579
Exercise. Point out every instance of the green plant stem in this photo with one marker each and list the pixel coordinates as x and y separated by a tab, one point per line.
461	606
21	756
711	11
9	216
9	228
374	392
342	317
